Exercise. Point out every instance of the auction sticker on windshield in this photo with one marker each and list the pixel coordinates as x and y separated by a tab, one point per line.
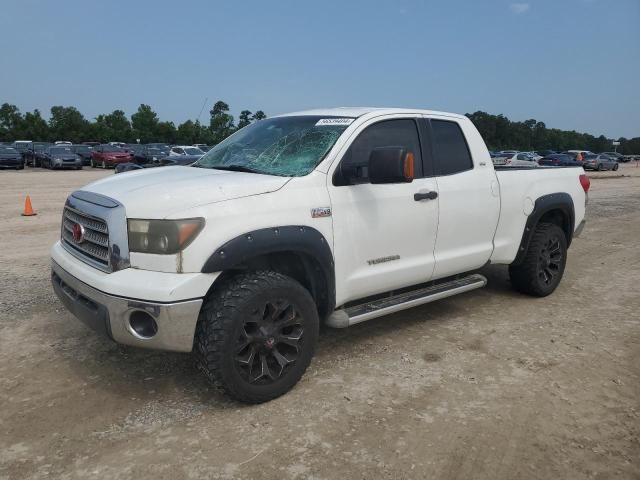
334	121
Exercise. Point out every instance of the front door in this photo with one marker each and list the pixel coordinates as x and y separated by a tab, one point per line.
384	237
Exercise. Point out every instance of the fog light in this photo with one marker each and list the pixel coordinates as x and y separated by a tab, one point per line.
142	324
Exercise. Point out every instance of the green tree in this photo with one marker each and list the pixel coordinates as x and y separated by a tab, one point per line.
630	146
34	126
244	119
100	131
165	132
187	133
120	126
540	141
67	123
144	123
203	134
221	122
259	115
10	122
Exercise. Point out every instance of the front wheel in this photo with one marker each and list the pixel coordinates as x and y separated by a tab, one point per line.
256	335
540	272
104	165
91	164
615	167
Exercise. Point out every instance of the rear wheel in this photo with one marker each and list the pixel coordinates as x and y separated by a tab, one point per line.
91	164
600	167
615	167
104	165
256	335
543	266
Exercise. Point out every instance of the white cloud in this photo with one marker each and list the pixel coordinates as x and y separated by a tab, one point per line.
519	8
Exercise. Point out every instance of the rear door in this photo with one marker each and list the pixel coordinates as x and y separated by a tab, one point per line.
469	196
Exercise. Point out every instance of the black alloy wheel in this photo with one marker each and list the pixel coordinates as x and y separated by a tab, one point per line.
550	260
269	342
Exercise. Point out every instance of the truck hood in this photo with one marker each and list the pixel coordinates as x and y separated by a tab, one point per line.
159	192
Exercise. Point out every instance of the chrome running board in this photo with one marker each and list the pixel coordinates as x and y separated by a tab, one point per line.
345	317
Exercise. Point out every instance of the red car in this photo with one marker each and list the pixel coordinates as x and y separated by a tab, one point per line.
109	156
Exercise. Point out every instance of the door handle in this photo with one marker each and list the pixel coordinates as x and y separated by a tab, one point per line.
425	196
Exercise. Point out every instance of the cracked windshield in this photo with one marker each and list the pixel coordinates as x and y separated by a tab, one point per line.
283	146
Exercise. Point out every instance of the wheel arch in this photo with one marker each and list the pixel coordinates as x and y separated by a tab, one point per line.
298	251
556	208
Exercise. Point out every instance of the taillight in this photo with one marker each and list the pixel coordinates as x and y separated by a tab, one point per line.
585	182
508	162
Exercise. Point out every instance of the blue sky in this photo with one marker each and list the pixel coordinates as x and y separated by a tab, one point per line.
574	64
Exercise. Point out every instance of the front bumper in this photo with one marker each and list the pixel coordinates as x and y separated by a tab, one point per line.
10	163
111	315
66	164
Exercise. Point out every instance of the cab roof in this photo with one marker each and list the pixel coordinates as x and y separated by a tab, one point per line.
360	111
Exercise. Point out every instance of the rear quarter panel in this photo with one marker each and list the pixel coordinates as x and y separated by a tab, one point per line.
519	190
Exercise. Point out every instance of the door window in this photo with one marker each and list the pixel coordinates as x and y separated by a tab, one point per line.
450	150
353	168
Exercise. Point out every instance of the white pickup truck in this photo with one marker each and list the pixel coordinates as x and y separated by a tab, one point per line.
329	216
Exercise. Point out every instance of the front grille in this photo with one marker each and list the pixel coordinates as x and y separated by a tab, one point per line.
95	245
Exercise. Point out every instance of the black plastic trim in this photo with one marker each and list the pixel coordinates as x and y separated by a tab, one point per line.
282	239
428	164
95	198
545	204
92	314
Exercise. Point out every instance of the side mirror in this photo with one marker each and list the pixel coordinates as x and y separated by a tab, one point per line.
391	165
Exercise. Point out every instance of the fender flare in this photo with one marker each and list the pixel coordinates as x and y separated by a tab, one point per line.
281	239
545	204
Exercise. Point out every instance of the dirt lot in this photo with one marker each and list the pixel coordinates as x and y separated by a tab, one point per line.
489	385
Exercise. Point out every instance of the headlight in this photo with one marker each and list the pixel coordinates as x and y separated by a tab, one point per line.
163	237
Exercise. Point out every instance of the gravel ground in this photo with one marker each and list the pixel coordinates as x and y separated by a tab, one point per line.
488	385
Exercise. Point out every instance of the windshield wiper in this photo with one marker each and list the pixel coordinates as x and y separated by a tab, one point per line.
239	168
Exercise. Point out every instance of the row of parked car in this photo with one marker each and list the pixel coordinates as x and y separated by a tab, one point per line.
65	155
124	157
584	158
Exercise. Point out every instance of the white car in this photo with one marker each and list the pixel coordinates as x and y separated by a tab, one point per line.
518	159
532	155
179	150
327	216
63	142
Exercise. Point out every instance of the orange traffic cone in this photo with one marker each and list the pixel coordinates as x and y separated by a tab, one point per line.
28	209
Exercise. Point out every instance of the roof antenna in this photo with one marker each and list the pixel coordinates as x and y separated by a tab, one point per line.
203	104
